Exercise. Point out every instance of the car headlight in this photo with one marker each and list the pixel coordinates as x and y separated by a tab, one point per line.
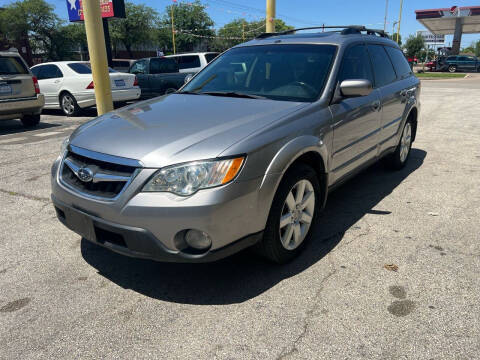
64	146
186	179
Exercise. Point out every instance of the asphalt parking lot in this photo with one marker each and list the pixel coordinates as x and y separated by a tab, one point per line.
392	271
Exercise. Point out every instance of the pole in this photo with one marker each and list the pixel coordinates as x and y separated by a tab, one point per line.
108	43
393	28
386	13
173	31
399	19
270	25
98	56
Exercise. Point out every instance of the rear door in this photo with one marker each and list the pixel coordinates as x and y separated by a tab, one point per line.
50	80
356	120
392	88
164	75
15	78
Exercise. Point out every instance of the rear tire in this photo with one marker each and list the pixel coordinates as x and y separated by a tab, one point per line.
399	157
452	69
30	120
292	216
69	105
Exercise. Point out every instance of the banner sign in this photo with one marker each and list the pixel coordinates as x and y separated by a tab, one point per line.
431	39
109	9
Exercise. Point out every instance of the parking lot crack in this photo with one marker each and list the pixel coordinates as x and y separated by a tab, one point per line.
289	351
26	196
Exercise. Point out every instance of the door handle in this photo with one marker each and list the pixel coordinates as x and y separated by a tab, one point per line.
56	81
376	105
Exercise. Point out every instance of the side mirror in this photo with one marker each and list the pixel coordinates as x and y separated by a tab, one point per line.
188	78
356	87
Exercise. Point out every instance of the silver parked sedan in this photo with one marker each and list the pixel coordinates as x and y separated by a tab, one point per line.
245	153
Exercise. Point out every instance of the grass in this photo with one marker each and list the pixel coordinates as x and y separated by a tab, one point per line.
439	75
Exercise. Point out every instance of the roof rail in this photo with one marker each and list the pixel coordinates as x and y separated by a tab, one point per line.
348	29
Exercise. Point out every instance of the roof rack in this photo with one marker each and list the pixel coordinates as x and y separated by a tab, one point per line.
347	30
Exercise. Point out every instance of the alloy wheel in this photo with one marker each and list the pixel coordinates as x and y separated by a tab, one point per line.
297	214
68	105
405	142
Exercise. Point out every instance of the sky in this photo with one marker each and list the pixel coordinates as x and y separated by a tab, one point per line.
302	13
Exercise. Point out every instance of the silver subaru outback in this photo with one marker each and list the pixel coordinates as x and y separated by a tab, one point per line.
245	153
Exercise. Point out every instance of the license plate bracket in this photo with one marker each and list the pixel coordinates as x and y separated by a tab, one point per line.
119	83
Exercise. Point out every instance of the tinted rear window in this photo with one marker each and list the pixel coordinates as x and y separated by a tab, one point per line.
382	66
187	62
11	65
163	65
399	62
210	57
84	68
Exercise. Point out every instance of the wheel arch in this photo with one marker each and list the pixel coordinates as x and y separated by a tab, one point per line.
413	117
309	150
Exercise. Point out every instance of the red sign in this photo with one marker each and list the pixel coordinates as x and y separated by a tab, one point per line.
106	7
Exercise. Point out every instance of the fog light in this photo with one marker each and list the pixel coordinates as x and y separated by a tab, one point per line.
198	239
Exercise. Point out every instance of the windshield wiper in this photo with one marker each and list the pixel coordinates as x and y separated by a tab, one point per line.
233	94
188	92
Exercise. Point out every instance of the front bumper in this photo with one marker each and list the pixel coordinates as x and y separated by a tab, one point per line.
146	225
138	242
18	107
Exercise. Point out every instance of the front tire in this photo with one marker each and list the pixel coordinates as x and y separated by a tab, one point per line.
69	105
292	215
452	69
398	159
31	120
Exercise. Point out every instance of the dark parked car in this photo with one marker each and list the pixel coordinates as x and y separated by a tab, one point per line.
461	62
157	76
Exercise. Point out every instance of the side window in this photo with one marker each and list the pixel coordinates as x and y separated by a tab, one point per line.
383	68
187	62
209	57
399	62
452	58
139	67
356	64
50	72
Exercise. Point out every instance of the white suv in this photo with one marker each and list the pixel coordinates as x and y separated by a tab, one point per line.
193	62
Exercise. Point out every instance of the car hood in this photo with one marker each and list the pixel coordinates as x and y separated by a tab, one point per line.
179	127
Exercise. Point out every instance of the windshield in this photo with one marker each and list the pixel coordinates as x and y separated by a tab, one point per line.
293	72
84	68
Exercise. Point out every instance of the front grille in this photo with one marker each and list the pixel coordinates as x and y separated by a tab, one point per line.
99	187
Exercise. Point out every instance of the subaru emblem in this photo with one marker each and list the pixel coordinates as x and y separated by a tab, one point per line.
85	174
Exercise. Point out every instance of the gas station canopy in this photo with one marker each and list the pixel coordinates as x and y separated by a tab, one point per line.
443	21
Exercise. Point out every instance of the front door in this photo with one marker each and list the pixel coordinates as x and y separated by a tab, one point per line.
356	121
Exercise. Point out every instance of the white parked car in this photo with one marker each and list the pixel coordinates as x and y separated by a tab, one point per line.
68	85
193	62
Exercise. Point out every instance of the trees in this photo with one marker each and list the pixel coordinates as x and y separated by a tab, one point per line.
32	21
138	28
414	45
192	26
240	30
